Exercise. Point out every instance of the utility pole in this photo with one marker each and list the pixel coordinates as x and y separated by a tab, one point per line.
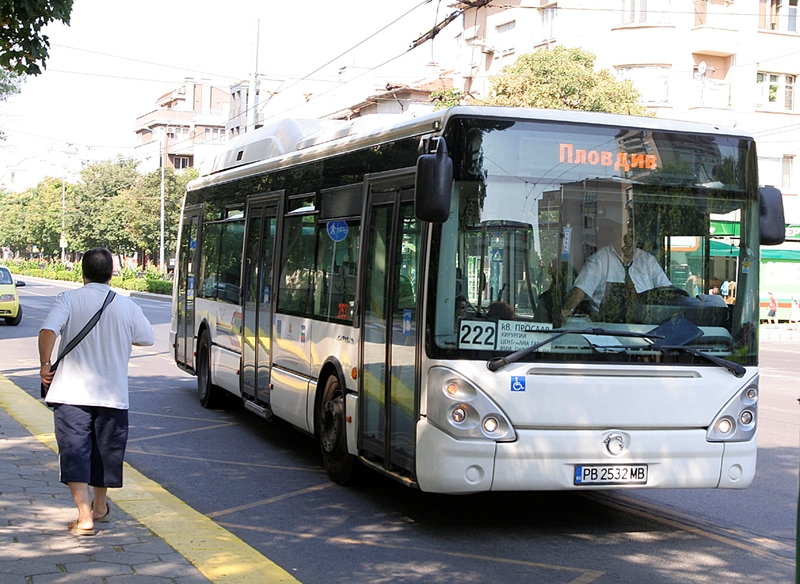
161	265
63	239
252	90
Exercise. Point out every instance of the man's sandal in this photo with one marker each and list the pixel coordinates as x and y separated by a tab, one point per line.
75	530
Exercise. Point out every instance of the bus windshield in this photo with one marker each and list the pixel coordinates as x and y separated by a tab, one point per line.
559	226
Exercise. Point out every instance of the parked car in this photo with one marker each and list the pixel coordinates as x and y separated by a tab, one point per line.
10	308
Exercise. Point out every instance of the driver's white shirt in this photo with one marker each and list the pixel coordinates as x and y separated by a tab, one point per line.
605	266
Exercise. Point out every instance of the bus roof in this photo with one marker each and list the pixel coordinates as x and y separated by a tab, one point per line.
292	141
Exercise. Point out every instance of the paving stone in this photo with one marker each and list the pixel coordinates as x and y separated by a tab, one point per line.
35	509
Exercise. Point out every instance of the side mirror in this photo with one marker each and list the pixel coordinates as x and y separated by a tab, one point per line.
771	220
433	185
19	283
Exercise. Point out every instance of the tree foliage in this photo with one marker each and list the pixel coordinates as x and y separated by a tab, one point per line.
112	206
143	204
562	78
23	47
10	83
444	98
98	212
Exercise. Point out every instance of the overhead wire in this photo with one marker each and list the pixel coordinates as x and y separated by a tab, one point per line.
371	69
305	77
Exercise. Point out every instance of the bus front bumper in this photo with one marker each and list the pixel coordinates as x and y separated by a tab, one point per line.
548	460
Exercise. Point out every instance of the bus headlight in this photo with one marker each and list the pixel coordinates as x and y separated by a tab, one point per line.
458	407
736	422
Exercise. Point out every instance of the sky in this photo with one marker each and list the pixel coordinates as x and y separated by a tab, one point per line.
115	59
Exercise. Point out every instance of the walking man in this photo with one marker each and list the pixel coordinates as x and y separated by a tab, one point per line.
89	390
773	310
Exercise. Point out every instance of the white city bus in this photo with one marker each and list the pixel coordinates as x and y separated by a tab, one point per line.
403	289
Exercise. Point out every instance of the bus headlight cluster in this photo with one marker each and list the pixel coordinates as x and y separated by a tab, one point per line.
460	408
736	422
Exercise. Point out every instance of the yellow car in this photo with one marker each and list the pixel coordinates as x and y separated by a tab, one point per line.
10	308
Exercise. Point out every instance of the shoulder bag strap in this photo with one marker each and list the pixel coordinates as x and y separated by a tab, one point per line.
85	330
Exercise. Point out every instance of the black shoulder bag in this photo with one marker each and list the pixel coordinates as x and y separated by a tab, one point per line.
78	338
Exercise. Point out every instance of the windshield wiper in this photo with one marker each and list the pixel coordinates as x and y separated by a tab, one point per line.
735	368
498	363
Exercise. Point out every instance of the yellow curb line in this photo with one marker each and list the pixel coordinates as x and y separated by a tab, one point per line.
218	554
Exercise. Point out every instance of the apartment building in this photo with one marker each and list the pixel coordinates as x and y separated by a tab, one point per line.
397	98
187	128
728	62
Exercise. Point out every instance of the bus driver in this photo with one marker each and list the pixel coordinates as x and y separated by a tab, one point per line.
609	277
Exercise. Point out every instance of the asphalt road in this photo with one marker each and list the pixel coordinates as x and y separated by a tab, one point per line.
264	482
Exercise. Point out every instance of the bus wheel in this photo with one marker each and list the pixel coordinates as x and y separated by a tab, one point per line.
210	395
342	467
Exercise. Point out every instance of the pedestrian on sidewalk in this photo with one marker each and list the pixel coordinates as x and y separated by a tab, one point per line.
794	315
89	390
772	319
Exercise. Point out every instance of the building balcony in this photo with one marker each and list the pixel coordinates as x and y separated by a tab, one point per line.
707	40
162	117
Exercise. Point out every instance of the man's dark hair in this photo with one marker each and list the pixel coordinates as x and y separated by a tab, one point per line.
97	265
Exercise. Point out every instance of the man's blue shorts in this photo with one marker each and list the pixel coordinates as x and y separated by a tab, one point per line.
91	444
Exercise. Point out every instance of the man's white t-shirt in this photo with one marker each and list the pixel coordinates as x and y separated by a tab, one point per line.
606	266
95	372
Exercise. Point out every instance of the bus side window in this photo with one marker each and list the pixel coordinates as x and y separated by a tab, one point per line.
296	289
209	260
230	264
335	290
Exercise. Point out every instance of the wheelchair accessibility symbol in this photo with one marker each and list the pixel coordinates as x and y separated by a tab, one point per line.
517	384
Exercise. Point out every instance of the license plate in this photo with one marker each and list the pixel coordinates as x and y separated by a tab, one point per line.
610	474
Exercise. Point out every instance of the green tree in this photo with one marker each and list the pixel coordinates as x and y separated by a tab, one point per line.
562	78
9	83
144	209
444	98
13	207
42	220
98	210
23	47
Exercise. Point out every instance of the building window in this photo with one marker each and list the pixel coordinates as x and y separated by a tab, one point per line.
652	82
777	15
645	11
507	27
775	91
700	12
786	173
548	16
180	162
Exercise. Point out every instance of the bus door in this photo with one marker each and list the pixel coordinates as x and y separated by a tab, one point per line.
262	221
389	293
186	272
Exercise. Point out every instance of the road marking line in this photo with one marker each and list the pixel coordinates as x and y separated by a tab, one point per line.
274	499
232	462
220	556
585	577
191	430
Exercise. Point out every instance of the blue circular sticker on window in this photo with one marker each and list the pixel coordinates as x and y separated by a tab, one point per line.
337	230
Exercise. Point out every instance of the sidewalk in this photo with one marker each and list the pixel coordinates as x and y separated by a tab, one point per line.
779	332
152	536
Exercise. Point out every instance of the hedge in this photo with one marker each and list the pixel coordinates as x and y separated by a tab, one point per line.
136	284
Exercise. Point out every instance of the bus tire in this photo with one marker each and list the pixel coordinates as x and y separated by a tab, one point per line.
342	467
210	395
